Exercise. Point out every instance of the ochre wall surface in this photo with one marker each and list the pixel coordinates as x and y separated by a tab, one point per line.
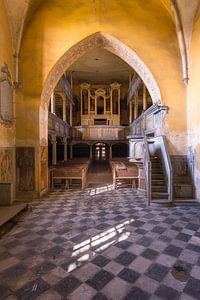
144	26
7	133
193	103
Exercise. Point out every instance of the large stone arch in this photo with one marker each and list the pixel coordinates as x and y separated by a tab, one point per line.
111	44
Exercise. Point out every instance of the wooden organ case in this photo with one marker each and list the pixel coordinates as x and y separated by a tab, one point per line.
100	105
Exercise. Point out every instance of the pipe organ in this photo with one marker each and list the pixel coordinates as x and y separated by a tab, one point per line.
100	105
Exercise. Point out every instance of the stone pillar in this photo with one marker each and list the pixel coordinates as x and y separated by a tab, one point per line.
65	148
88	103
52	103
110	155
144	97
54	150
64	108
130	112
70	115
136	107
119	108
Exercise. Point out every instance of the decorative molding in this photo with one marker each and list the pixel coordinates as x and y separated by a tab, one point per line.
111	44
6	96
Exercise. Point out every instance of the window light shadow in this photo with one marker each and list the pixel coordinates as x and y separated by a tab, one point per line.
86	250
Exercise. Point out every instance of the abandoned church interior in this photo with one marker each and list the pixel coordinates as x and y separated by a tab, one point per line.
99	149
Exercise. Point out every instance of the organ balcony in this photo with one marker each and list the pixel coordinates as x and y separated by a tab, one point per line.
99	132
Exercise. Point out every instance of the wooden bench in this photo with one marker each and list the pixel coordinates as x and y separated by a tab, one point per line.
124	172
69	171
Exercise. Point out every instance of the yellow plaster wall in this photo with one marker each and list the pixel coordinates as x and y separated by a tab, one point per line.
7	134
144	26
193	102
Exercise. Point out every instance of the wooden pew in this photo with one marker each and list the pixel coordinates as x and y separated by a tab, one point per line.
70	170
124	172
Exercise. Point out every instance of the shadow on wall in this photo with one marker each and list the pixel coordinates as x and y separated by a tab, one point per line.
120	150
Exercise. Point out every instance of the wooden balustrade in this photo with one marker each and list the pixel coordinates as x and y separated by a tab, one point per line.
98	132
149	121
57	126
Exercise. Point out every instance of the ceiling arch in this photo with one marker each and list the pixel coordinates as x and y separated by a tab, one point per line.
20	13
109	43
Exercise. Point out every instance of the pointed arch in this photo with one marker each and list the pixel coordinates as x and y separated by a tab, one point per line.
109	43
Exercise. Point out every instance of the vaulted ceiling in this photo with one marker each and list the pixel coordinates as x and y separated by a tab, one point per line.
182	12
99	66
20	12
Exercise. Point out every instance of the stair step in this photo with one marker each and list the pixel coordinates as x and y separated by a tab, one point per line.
158	181
158	188
157	172
156	166
158	176
159	195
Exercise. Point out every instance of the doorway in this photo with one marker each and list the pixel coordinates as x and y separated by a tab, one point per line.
100	152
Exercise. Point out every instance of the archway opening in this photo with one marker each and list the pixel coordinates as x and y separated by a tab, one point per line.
101	88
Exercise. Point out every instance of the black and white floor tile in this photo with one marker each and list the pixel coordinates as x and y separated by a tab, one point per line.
100	244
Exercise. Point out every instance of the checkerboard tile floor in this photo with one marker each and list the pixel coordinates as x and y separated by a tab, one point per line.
82	245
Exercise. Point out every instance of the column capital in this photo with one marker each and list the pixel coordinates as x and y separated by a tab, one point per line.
53	139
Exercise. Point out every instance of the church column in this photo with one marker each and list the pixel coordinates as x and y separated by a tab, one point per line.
65	148
64	108
52	103
111	104
130	112
110	154
144	97
104	105
136	107
70	114
54	150
119	112
95	105
88	103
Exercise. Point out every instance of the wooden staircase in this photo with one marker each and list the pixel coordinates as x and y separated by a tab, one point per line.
158	180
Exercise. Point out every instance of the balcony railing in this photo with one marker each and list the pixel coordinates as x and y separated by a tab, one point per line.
57	126
149	121
100	132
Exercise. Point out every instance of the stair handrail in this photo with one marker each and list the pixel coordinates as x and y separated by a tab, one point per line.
168	167
167	163
147	169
